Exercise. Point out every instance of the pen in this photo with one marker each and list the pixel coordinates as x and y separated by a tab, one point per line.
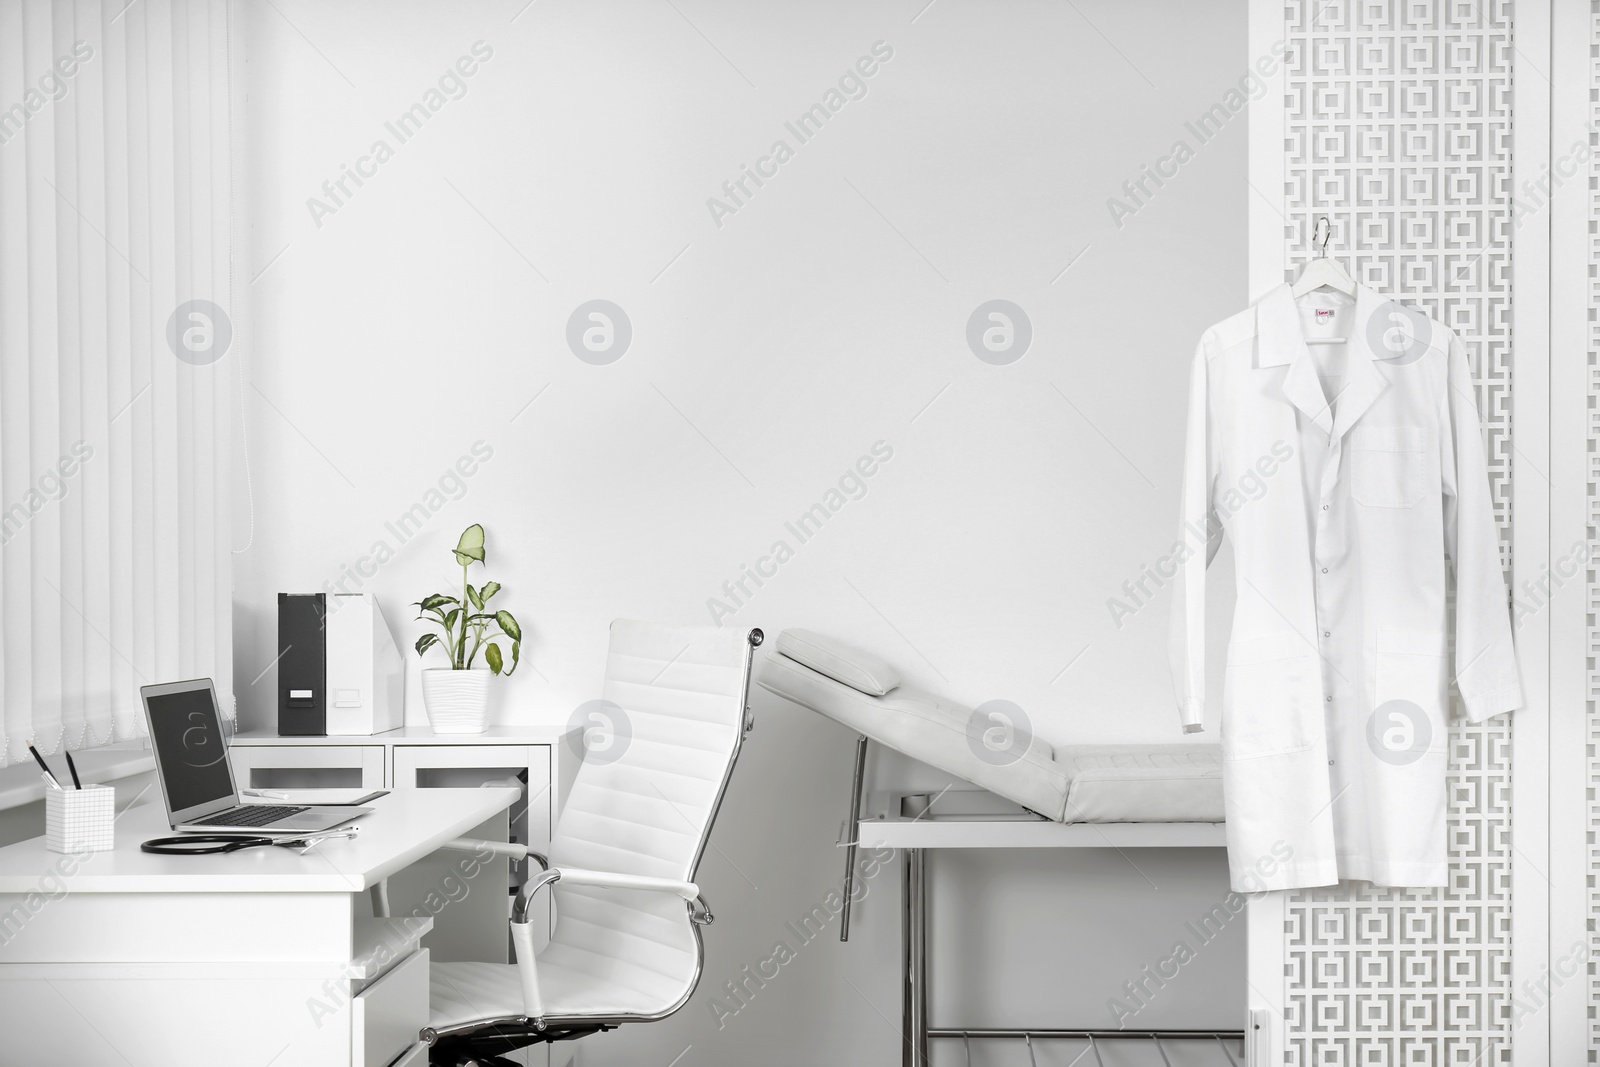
73	767
270	794
49	779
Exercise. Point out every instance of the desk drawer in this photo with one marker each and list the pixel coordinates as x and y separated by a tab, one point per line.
308	766
385	1017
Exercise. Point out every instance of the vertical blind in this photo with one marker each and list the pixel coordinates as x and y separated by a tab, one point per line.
115	371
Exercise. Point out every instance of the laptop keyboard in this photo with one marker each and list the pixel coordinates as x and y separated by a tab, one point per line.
251	815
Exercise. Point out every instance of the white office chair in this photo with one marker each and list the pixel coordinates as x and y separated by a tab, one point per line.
626	945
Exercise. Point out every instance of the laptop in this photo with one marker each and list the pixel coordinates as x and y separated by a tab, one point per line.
196	779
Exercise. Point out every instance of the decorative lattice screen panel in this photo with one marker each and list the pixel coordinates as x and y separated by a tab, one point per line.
1592	530
1398	127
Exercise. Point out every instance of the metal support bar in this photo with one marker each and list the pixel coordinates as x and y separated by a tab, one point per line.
914	937
1094	1037
1047	1033
914	940
852	830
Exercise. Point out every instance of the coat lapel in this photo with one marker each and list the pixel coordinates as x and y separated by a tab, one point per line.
1365	382
1373	342
1278	332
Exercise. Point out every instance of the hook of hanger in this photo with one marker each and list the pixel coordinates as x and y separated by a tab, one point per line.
1324	228
1027	1039
966	1043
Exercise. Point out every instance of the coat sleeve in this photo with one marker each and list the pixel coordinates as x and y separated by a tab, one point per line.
1485	660
1199	537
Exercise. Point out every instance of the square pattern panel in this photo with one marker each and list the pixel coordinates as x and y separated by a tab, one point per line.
1592	531
1397	127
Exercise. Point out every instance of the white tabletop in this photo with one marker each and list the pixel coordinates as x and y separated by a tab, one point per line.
530	734
402	828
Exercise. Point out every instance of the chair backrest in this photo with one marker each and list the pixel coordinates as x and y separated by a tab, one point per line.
643	802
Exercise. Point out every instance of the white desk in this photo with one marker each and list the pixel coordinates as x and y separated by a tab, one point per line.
255	957
545	757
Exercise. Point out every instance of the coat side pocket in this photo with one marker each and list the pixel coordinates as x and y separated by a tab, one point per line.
1264	699
1388	466
1410	695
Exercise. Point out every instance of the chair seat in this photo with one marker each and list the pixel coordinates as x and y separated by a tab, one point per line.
468	992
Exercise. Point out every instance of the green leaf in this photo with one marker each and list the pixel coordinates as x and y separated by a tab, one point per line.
492	654
509	625
436	601
489	589
470	548
425	642
516	656
474	596
450	619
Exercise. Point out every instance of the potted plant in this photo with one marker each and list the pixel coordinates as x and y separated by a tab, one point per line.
457	696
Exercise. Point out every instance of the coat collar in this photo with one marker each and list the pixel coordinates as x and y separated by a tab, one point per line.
1280	342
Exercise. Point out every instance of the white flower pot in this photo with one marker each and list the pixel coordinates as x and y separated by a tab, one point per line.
457	701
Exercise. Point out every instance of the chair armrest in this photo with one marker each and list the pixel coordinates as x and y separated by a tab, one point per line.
607	880
477	844
500	848
528	973
688	891
522	930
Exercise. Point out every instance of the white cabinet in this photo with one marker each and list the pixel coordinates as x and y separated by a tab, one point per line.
309	766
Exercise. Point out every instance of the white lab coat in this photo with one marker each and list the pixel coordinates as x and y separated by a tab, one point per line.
1336	693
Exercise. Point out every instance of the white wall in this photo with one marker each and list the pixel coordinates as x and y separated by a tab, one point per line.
768	354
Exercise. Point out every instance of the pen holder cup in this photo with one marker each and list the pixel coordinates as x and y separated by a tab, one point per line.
79	820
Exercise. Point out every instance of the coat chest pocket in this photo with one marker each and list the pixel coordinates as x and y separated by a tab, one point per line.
1388	466
1267	697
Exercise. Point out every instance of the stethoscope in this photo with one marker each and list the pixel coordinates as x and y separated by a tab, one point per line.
212	844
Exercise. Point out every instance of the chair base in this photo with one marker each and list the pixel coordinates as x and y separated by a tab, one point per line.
484	1048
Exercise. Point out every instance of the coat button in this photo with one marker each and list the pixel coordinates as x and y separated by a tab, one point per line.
1324	570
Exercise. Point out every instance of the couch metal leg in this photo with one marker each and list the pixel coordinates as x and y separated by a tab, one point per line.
852	830
914	968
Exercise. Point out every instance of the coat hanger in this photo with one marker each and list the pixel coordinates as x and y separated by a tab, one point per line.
1323	273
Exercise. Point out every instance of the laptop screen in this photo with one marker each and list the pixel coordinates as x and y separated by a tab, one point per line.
190	751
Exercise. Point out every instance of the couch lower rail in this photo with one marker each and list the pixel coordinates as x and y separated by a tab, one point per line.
1093	1037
